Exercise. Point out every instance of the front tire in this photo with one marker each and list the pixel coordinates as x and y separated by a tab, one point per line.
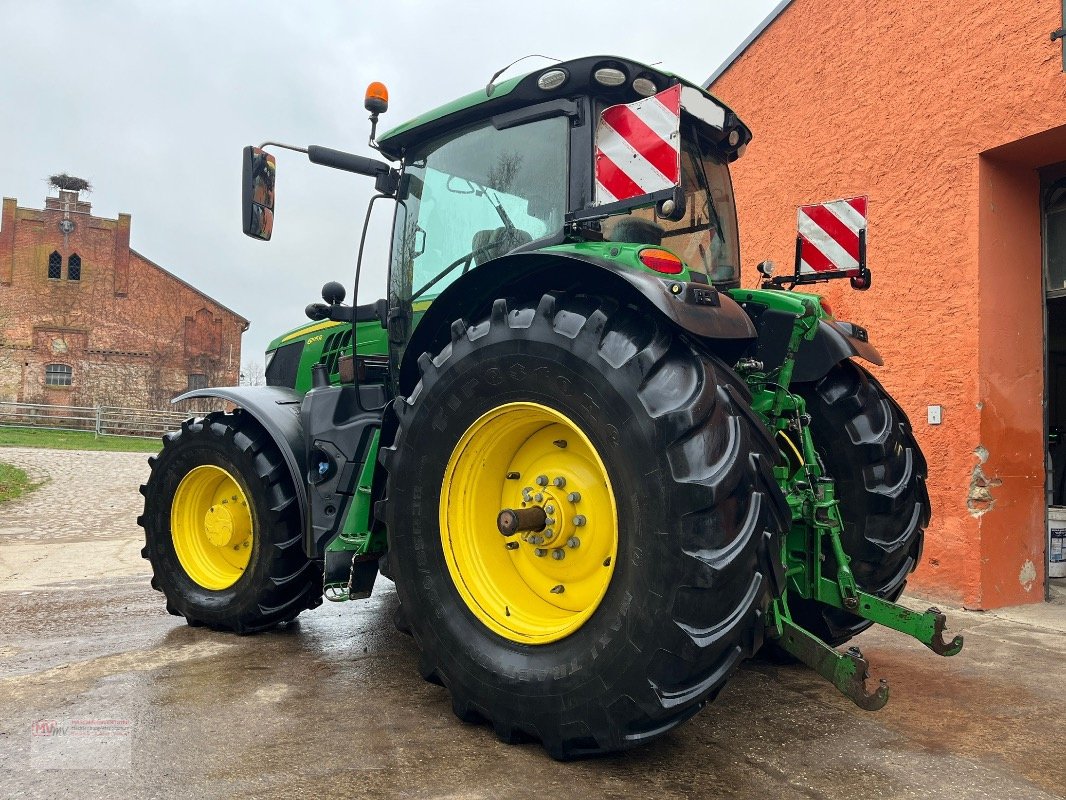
678	556
222	528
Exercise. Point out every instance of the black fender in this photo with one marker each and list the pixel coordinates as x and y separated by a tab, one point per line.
277	410
697	308
834	342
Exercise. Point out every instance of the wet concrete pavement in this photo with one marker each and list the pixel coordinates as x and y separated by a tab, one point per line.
333	705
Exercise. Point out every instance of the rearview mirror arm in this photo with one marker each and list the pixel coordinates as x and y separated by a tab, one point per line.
620	207
385	177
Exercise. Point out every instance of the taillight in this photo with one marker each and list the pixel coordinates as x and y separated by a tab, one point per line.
661	261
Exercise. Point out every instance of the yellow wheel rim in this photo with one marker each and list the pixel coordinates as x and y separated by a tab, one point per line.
533	587
211	526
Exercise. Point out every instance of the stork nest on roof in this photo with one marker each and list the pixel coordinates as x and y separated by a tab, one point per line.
69	183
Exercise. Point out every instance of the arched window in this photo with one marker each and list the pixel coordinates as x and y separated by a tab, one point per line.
55	266
58	374
74	267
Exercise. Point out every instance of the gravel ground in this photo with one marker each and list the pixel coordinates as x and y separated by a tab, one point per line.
89	504
332	704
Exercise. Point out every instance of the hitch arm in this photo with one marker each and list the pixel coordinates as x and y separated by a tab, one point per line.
847	671
927	627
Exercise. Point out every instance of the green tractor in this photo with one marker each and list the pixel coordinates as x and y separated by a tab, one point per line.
599	472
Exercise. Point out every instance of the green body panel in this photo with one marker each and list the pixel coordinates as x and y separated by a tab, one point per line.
329	340
789	302
621	253
356	534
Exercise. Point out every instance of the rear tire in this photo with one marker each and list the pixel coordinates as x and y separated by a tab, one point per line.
867	446
225	463
696	530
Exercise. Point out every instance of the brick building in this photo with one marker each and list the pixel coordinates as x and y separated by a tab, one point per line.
951	117
85	320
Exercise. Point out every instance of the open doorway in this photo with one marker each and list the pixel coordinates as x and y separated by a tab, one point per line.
1053	206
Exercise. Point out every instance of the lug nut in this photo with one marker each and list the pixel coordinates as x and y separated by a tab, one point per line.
540	552
549	509
542	480
574	497
548	533
573	542
549	520
579	520
527	494
558	555
560	482
538	497
535	540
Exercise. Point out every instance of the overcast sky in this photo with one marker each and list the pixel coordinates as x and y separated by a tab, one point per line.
152	103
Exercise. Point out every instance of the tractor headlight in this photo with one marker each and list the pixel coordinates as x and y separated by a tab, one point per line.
644	86
609	76
552	79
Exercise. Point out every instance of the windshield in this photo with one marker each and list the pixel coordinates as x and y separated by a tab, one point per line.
706	238
473	197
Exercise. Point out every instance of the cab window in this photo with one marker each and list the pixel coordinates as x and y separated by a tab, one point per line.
475	196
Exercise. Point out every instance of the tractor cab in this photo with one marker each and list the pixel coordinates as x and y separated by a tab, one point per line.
581	151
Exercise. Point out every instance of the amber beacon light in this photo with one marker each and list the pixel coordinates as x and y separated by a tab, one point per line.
376	100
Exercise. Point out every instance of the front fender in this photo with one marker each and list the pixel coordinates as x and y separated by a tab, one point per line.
694	307
277	410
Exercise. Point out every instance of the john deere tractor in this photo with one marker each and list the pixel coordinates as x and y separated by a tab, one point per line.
599	472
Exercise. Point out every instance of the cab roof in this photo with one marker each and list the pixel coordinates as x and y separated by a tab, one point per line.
522	91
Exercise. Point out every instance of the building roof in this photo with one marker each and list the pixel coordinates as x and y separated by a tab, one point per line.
755	34
188	285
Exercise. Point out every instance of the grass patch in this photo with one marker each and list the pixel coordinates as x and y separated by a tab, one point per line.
14	482
75	440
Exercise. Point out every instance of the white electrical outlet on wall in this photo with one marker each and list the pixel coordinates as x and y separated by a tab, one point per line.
934	415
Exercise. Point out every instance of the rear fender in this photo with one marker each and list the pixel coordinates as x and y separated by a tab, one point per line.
834	342
277	410
697	308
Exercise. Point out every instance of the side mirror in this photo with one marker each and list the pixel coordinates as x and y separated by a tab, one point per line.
257	193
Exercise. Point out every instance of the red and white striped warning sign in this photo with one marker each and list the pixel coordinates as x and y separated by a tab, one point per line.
638	147
829	236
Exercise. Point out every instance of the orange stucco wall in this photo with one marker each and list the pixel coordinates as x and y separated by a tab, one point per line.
941	113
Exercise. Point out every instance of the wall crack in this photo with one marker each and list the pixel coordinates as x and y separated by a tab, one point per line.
979	499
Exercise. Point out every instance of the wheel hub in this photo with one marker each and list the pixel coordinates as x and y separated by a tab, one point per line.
211	527
218	525
557	517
